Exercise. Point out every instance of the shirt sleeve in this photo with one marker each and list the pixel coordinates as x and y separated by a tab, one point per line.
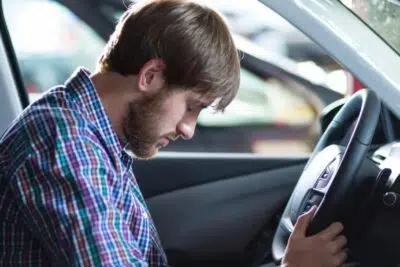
68	212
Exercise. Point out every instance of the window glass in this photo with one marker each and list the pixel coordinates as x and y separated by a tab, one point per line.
51	45
272	112
383	16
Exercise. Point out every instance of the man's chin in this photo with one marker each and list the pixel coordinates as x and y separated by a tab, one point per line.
146	154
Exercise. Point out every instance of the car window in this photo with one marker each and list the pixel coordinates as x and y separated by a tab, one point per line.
383	16
271	113
51	45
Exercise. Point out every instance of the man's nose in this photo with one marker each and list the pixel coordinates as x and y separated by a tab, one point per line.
186	129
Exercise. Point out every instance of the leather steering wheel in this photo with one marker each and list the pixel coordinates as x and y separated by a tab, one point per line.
331	171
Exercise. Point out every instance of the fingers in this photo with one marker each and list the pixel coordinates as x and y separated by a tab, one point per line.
339	259
338	244
303	221
332	231
337	250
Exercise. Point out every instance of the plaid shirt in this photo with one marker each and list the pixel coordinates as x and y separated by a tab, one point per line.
68	195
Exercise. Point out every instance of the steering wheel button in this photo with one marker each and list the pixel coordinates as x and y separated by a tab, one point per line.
321	184
307	207
315	200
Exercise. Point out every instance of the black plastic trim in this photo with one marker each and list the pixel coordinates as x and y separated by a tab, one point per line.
166	174
22	93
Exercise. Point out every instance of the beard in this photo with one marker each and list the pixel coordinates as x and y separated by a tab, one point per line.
141	126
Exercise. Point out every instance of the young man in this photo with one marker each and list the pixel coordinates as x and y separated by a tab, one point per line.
68	193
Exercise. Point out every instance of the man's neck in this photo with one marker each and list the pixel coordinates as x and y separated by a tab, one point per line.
115	92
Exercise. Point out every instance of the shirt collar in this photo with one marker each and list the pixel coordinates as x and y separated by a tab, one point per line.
88	101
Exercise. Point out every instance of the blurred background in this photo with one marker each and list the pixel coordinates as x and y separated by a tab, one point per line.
286	79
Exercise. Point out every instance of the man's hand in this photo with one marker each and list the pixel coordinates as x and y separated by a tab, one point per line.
325	249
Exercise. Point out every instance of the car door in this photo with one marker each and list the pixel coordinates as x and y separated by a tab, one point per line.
215	202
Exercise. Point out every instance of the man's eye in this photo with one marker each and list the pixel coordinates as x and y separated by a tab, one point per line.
196	107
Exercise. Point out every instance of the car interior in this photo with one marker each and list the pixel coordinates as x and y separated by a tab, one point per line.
224	208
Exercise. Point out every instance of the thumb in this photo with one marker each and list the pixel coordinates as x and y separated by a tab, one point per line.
303	221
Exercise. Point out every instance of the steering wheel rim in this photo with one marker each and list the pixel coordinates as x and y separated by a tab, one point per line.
329	173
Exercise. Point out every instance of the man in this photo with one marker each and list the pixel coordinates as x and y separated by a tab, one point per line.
69	195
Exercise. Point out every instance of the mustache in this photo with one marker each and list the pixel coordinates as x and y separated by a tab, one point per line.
171	136
174	138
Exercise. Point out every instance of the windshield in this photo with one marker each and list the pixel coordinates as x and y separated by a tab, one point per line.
383	16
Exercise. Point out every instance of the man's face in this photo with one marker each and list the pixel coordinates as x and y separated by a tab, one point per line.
154	121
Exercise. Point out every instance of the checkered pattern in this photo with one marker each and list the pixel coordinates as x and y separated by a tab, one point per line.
68	196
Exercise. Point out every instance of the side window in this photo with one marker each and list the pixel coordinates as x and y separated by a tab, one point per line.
282	92
273	113
269	115
286	80
49	46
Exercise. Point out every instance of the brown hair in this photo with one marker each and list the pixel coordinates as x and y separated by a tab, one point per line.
193	41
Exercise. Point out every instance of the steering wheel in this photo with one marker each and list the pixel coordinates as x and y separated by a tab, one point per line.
331	171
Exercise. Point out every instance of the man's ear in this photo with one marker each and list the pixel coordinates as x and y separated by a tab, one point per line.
151	76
